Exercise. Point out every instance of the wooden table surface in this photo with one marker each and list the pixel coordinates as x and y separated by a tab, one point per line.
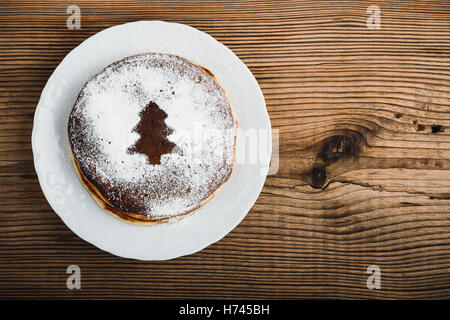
364	177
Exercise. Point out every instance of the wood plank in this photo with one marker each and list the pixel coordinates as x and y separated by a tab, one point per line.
364	179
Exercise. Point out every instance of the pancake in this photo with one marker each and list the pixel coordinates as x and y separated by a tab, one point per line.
152	137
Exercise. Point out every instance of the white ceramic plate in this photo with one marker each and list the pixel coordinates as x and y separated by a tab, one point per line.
72	202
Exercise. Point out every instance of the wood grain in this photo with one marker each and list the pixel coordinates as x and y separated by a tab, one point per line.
364	177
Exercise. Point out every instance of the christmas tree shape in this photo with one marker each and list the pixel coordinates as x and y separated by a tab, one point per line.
153	133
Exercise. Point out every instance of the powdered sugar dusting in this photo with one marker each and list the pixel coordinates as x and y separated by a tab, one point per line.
101	129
